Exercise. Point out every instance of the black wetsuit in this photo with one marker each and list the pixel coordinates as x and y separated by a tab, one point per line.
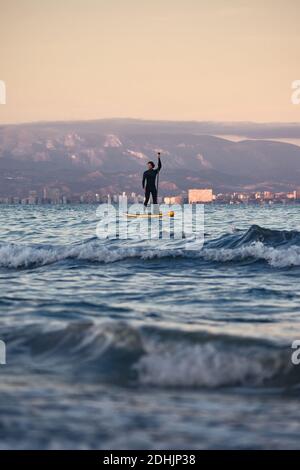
149	184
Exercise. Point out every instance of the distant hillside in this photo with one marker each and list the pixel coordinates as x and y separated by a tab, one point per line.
110	155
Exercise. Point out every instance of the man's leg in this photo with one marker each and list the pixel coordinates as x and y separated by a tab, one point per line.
154	200
154	195
147	197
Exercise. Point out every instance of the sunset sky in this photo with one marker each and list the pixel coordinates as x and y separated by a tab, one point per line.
220	60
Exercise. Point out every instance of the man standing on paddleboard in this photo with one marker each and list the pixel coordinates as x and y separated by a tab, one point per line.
149	181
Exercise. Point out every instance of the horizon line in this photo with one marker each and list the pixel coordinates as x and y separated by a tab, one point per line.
146	120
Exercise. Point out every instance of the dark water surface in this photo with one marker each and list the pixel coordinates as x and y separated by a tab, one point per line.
137	344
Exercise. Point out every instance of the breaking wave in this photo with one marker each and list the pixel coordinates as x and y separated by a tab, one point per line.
278	249
127	355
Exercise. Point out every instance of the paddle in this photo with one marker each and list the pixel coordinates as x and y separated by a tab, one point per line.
158	156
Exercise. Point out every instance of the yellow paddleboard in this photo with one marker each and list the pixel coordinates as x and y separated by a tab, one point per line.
149	216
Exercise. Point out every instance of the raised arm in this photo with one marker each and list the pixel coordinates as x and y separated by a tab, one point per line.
159	164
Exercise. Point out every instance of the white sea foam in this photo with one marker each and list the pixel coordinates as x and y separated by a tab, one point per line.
158	356
13	256
210	365
275	257
19	256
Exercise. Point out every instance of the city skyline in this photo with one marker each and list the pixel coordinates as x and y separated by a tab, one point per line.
56	196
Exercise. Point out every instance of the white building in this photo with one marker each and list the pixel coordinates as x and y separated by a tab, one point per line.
200	196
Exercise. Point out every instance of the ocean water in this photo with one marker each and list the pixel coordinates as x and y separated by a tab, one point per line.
148	344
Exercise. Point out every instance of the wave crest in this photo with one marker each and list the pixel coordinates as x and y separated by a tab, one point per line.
123	354
277	248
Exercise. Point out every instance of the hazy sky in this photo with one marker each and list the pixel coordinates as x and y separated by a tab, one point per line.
157	59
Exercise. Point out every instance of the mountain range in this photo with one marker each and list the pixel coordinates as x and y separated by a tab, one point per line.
109	156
